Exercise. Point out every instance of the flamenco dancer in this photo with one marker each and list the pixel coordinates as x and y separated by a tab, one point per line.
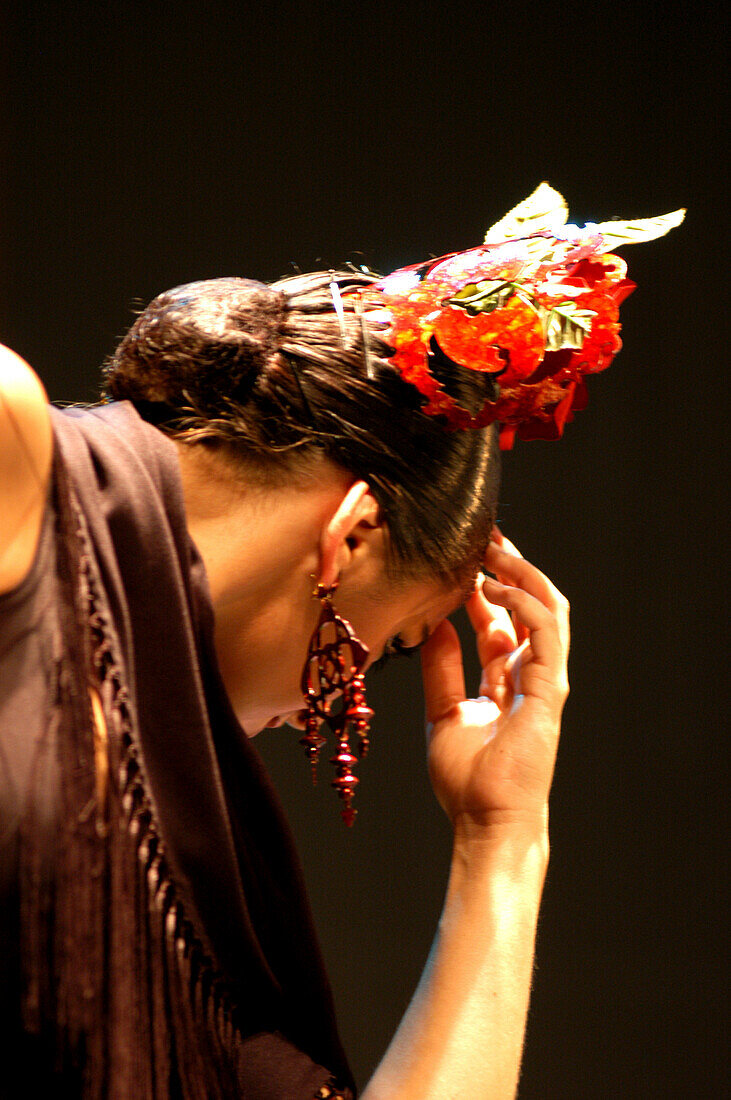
281	484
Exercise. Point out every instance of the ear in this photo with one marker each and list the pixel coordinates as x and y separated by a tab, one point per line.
356	520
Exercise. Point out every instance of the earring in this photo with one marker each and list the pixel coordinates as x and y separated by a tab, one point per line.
335	660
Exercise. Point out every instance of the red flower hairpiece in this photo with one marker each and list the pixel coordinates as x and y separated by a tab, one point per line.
536	306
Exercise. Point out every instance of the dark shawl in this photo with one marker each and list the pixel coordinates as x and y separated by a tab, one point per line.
206	952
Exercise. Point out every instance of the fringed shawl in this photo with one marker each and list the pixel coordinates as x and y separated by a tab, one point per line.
167	948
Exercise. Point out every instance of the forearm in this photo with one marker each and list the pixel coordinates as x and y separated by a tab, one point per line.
462	1035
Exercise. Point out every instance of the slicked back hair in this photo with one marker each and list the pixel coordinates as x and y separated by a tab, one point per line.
272	375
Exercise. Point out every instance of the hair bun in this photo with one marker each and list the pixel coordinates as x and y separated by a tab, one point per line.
229	330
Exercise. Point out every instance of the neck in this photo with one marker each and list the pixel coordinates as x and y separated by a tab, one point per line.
255	541
261	548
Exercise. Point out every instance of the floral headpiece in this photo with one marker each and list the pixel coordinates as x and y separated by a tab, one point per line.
536	306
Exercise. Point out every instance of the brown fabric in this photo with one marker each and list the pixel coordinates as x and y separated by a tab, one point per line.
167	947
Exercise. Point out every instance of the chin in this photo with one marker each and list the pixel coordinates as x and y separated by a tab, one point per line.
295	719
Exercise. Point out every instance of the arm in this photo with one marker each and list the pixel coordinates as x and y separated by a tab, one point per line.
491	762
26	447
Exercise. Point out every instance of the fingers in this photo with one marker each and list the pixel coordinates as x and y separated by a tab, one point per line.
540	616
544	675
492	625
495	638
511	569
521	626
499	539
442	672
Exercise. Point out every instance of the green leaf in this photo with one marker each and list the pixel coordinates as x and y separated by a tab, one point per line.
544	209
483	297
618	233
566	326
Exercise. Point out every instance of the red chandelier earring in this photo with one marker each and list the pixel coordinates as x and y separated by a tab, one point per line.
334	671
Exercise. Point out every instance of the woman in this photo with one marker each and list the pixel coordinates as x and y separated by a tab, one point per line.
327	437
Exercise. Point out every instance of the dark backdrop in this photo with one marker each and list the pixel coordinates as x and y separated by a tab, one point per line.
149	146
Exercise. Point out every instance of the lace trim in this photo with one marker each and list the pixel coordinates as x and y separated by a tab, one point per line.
210	1006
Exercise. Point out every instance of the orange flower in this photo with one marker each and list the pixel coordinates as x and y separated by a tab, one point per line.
538	310
514	329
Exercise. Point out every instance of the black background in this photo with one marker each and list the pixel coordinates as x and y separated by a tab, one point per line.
144	147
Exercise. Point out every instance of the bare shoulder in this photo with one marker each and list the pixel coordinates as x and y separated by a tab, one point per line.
26	446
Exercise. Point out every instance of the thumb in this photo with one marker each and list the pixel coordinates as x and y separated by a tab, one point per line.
442	672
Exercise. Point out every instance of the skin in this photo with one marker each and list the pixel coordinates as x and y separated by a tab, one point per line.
491	763
288	539
491	759
25	462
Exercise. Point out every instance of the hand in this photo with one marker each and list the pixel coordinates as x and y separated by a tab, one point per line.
491	759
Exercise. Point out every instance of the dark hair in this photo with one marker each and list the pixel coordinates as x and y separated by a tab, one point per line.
272	374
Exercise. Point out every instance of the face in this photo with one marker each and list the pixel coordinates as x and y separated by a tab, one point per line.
386	619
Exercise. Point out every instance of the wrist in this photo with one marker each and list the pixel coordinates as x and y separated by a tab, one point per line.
512	843
509	829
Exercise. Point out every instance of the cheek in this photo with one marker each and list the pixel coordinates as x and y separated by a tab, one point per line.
372	633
